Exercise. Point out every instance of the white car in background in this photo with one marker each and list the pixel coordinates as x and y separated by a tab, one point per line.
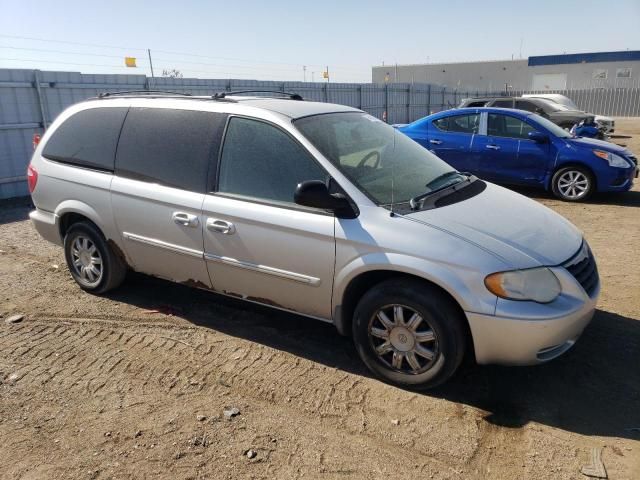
607	123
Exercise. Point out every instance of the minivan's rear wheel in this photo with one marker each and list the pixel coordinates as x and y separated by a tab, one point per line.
409	333
572	184
92	263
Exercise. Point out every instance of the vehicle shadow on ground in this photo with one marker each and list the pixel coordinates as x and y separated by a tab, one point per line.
594	389
15	209
622	199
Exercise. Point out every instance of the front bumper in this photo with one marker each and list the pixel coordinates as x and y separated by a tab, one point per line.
528	333
46	223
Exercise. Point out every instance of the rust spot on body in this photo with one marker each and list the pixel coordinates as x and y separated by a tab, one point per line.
265	301
196	284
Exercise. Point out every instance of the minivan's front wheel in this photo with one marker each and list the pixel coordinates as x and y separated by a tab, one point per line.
409	333
572	184
92	263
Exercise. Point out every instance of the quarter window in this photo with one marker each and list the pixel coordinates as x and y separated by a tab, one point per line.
507	126
261	161
87	138
169	146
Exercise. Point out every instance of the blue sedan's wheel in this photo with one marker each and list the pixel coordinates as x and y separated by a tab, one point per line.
572	184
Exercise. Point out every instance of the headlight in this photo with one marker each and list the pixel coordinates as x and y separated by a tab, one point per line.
537	284
613	159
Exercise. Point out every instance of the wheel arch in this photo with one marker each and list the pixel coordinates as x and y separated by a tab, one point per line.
573	163
363	281
73	211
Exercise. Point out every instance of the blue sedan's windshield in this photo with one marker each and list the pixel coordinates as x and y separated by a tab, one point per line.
385	164
551	127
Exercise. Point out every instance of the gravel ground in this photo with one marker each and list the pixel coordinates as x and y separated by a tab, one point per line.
135	384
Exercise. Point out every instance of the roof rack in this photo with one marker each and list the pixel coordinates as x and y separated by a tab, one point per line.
290	95
143	92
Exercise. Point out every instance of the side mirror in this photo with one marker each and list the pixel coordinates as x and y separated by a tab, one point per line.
314	193
539	111
538	137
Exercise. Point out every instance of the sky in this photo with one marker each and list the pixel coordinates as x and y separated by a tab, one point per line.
297	40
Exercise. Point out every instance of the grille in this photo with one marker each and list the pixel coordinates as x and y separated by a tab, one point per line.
583	267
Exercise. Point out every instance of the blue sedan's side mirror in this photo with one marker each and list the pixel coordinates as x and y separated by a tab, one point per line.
538	137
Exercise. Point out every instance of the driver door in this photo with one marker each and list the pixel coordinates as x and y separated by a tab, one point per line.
259	245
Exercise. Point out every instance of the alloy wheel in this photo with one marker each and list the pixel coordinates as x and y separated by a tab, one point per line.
87	261
403	339
573	184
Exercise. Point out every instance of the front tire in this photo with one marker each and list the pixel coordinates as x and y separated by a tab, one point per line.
409	333
572	184
92	263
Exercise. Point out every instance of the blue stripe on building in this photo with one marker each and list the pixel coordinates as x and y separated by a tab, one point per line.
625	56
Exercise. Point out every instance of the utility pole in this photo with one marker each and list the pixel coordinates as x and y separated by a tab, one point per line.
327	73
151	64
304	73
313	76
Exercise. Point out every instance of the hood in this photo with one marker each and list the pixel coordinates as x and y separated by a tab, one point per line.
521	232
591	143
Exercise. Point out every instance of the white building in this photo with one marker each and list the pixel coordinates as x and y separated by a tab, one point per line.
548	72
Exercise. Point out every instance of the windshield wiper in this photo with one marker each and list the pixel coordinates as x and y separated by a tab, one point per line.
417	201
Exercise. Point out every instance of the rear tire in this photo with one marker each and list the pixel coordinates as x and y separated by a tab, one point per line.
409	333
572	184
92	262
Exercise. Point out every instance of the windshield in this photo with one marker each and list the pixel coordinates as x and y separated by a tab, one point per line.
384	163
552	127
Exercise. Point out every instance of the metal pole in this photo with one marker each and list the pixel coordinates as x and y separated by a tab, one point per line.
151	64
36	83
386	102
409	104
360	97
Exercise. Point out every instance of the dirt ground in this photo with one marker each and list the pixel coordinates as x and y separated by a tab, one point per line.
134	384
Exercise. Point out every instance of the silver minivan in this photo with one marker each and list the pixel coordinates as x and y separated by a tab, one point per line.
318	209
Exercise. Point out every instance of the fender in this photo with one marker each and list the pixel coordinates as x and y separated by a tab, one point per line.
105	225
470	292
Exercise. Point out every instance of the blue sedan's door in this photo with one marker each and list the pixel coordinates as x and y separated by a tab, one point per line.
506	154
451	138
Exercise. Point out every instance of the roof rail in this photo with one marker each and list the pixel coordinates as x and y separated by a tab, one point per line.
143	92
290	95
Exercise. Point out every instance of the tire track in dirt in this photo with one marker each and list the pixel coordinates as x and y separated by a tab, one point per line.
101	358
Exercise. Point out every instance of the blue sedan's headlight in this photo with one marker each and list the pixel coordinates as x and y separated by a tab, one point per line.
613	159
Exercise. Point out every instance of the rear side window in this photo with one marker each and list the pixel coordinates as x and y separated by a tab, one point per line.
459	123
525	105
261	161
170	147
507	103
88	138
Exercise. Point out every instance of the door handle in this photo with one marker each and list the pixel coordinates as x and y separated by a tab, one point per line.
436	142
185	219
493	147
221	226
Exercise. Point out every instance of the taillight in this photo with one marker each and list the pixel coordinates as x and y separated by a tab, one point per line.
36	140
32	178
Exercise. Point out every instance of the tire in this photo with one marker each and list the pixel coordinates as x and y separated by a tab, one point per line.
92	262
440	316
573	184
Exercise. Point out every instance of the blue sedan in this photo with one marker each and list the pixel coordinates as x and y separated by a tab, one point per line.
522	148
